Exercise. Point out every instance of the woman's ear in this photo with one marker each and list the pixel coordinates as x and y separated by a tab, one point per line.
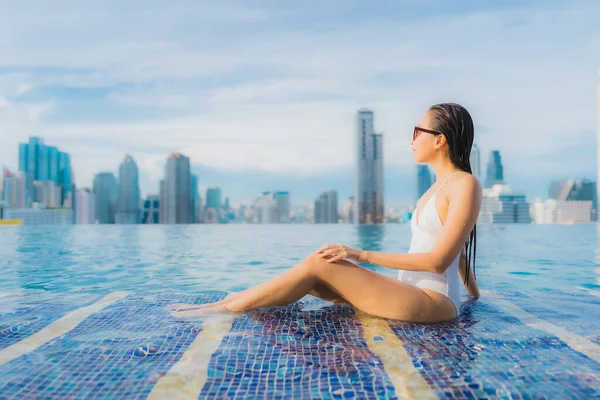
439	141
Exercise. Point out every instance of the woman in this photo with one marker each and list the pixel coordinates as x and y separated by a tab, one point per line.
443	244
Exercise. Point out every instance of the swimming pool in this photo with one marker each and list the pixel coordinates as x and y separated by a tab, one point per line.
83	315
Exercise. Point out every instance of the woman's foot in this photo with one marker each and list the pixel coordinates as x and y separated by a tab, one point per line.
201	312
184	307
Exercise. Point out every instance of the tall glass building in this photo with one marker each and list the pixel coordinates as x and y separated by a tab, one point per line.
84	210
326	208
213	198
195	199
40	162
282	201
369	205
177	191
128	198
106	191
495	170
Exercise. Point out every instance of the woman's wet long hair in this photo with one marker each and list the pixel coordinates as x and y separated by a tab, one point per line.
455	123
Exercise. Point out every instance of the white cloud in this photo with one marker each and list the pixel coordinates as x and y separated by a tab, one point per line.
244	88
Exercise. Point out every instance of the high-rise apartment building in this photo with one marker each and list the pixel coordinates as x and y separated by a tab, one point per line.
40	162
106	191
128	201
326	208
177	195
369	204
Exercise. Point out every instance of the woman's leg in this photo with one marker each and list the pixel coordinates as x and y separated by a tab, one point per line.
321	291
367	290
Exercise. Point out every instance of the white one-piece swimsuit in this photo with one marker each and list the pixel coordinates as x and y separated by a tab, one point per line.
425	233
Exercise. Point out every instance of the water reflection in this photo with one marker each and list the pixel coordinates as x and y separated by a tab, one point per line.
43	254
196	258
370	237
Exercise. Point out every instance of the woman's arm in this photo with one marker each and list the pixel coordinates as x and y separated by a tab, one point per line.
425	262
471	285
463	210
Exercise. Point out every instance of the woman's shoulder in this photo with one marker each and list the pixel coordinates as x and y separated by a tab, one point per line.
466	184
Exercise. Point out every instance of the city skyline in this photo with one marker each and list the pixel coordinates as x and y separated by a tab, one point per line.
569	201
265	94
349	178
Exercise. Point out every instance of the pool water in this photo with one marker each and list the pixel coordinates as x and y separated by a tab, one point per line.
84	314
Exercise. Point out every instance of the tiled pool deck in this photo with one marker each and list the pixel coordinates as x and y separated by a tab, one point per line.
128	345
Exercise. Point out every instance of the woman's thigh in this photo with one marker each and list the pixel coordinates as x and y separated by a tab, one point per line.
380	295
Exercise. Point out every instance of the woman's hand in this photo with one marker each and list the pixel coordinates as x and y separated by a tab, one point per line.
336	252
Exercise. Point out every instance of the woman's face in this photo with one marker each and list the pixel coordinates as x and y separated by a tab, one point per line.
424	144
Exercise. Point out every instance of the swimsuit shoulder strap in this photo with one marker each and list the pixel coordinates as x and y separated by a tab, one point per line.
446	181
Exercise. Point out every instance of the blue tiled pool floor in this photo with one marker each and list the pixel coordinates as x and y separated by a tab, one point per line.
133	348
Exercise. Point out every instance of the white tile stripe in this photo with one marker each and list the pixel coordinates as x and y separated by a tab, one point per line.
9	295
57	328
407	381
576	342
590	291
187	377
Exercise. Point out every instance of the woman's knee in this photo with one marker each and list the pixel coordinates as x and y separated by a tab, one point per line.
316	264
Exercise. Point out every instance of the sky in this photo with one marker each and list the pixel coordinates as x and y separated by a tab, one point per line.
262	95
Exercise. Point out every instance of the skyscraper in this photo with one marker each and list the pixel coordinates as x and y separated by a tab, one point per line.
378	207
213	198
475	161
65	173
162	216
105	190
326	208
43	163
128	203
195	199
178	190
265	209
369	206
282	201
48	193
495	171
212	213
13	191
84	207
423	179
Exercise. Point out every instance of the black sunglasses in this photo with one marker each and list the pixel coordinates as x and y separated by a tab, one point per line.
419	129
